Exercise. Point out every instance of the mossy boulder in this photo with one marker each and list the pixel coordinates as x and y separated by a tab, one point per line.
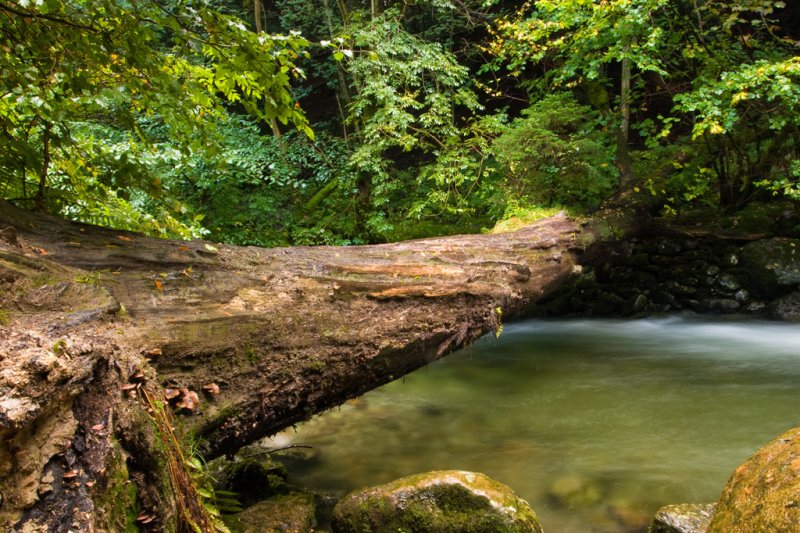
772	264
287	513
683	518
254	480
787	308
763	494
440	501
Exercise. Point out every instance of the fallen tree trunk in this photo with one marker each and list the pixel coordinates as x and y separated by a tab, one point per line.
250	340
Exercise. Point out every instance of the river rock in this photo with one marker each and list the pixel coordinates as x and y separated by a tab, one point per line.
287	513
787	308
441	501
683	518
763	494
772	263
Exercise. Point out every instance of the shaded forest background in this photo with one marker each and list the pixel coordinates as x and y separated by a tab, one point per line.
343	122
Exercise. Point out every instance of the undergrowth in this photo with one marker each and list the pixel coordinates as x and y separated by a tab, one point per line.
198	502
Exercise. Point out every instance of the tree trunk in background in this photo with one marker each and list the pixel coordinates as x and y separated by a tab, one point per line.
91	319
623	155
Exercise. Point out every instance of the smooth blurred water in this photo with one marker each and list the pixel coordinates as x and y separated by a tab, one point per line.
596	423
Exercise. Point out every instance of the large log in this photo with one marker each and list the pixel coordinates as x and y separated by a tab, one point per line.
92	318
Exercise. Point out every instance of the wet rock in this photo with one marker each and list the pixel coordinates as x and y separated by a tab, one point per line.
763	494
605	303
787	308
729	260
287	513
684	518
635	304
663	297
254	480
756	307
772	264
742	296
728	282
721	305
441	501
639	259
669	247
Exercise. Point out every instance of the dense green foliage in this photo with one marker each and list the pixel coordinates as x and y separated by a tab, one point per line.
347	121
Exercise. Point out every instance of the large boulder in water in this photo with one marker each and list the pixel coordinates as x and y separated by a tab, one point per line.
763	494
441	501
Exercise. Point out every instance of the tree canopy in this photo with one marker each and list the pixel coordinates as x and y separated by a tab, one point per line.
300	122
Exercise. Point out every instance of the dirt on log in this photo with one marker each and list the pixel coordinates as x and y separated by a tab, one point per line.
96	326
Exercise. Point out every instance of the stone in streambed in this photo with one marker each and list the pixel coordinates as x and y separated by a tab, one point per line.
683	518
440	501
287	513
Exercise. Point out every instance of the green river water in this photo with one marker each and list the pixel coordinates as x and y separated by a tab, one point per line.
596	423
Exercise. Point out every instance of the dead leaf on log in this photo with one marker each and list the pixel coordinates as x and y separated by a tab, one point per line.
69	474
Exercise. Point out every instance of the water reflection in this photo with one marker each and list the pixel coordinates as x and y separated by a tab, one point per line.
595	423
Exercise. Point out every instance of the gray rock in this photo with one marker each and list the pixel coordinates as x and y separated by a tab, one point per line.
448	501
636	304
728	282
684	518
669	247
742	296
787	308
721	305
772	263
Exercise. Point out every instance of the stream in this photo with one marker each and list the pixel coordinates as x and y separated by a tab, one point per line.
596	423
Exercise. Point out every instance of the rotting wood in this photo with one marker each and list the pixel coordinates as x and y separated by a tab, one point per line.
285	333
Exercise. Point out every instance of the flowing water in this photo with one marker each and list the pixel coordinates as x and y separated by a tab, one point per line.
596	423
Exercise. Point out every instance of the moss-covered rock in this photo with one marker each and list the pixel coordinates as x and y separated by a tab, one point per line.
287	513
683	518
763	494
254	480
772	264
440	501
787	308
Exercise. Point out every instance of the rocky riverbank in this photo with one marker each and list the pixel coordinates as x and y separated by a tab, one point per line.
667	274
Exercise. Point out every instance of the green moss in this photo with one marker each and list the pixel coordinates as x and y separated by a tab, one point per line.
315	364
41	280
251	354
5	318
59	346
118	501
92	278
438	501
521	217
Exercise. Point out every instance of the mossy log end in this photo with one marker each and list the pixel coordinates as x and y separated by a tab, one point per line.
89	317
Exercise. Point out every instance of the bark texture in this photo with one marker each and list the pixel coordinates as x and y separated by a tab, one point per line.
91	318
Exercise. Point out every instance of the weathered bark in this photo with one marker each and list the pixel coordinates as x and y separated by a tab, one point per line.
285	333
